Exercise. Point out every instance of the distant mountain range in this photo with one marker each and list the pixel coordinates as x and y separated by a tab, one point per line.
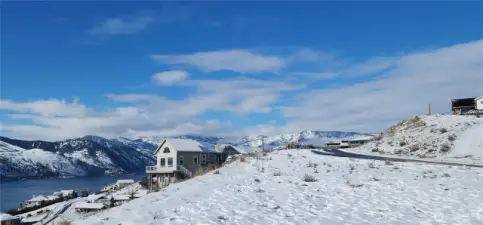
94	155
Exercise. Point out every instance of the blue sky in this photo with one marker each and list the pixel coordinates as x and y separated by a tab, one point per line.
231	68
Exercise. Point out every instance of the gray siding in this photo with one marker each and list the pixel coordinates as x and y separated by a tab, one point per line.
188	160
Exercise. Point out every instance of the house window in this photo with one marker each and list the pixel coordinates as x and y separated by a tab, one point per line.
170	162
203	158
163	162
166	150
181	160
195	160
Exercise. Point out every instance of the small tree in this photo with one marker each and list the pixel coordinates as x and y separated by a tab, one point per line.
144	182
84	194
112	202
74	194
131	193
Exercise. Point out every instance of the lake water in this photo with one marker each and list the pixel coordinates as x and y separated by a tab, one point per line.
12	193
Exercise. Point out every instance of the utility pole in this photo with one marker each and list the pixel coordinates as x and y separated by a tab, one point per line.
429	107
263	144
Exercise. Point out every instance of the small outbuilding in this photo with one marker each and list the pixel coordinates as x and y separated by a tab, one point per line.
7	219
120	184
89	207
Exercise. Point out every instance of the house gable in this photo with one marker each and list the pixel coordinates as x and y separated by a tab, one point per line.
166	150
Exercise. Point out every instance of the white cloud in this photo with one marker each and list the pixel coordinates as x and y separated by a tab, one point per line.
51	107
170	77
405	86
147	113
122	25
235	60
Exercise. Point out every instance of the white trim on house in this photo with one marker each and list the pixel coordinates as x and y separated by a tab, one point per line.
479	103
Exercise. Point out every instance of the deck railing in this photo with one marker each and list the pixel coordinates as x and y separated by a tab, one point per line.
154	169
185	171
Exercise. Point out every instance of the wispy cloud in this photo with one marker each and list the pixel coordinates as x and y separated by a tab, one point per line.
405	86
389	89
122	25
170	77
237	60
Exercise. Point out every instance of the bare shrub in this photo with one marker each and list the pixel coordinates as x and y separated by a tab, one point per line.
378	137
443	130
402	143
277	173
264	153
316	171
310	164
257	180
413	148
372	165
354	185
259	190
243	159
200	171
452	137
375	150
446	175
309	178
352	167
445	148
64	223
216	172
387	162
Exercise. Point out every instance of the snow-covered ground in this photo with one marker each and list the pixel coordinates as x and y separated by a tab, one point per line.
272	190
441	137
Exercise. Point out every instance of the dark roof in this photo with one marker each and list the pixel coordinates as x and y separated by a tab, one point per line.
462	102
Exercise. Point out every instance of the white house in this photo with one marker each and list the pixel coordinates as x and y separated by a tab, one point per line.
120	199
180	158
479	103
95	197
64	193
120	184
89	207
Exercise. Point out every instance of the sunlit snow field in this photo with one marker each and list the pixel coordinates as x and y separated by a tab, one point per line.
347	191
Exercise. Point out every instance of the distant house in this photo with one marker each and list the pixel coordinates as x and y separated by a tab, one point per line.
226	150
95	197
479	103
120	199
180	158
89	207
360	141
34	201
7	219
463	106
333	144
109	188
65	193
120	184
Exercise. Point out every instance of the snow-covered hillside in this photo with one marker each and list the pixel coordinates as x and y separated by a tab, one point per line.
88	155
97	155
431	136
345	191
275	141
